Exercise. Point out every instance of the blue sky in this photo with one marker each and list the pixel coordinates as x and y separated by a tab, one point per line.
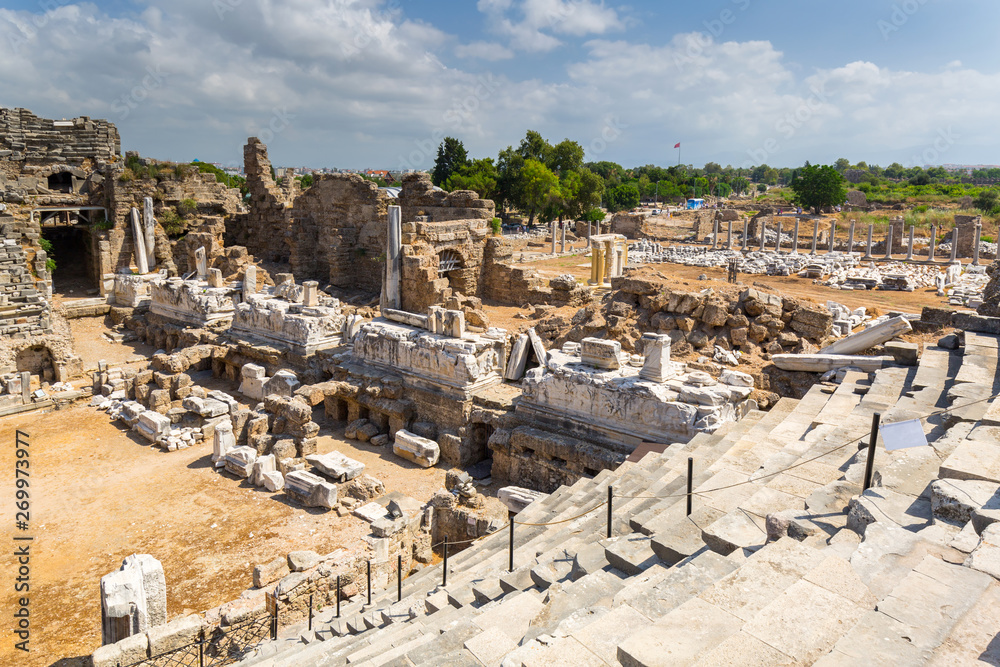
378	83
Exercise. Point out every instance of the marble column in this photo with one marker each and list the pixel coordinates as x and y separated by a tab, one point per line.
729	237
149	232
888	244
715	233
392	297
777	243
909	246
868	249
201	263
249	282
850	238
975	247
589	232
746	233
554	236
609	260
833	237
815	237
795	238
930	254
763	232
595	264
139	241
954	244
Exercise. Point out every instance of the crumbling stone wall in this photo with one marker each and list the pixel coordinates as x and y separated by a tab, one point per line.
337	232
628	224
262	231
511	285
419	198
38	141
966	225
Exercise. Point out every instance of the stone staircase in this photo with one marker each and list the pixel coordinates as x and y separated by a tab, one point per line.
709	589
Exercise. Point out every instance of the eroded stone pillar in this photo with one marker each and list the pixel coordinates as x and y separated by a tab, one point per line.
777	241
597	264
833	237
868	249
589	233
139	241
746	234
850	238
554	237
249	282
563	246
815	237
975	246
729	237
795	238
930	253
149	232
715	233
392	295
657	366
909	245
201	263
954	244
763	232
888	244
609	260
310	294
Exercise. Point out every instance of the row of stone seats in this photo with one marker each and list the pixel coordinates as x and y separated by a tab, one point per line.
668	589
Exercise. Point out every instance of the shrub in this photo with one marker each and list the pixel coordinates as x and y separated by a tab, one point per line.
496	225
172	223
50	262
187	208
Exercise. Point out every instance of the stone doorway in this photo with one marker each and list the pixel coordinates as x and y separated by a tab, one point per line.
37	360
73	277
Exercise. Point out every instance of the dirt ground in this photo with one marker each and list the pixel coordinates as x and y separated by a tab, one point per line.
99	494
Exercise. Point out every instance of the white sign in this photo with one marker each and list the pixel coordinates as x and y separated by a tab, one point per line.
902	435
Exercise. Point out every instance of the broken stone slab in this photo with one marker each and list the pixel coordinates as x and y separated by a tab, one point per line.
223	441
261	467
371	512
300	561
986	556
955	499
283	383
268	573
240	460
152	425
881	505
517	498
736	379
863	340
252	382
274	481
518	359
336	465
905	354
536	344
601	353
412	447
821	363
310	490
205	407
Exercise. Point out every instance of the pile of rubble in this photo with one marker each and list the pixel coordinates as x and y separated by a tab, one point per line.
767	262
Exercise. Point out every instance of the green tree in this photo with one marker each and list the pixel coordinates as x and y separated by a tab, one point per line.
987	200
895	170
451	157
539	188
479	175
510	163
621	197
818	186
842	164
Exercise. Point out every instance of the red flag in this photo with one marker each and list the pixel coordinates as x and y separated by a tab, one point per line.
677	145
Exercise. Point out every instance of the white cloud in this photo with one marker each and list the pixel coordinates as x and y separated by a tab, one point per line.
538	21
484	51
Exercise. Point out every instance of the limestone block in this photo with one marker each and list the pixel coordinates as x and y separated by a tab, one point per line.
956	499
821	363
215	278
261	467
175	634
736	379
152	425
205	407
454	323
223	441
284	383
240	460
274	481
268	573
657	366
601	353
517	498
418	450
371	512
128	651
138	591
876	335
336	466
310	489
300	561
310	294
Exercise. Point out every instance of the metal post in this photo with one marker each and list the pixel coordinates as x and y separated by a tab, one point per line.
201	648
310	613
369	582
399	577
274	621
611	495
815	237
870	463
444	576
690	483
510	555
338	596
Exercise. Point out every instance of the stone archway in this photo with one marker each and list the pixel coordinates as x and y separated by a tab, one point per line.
37	360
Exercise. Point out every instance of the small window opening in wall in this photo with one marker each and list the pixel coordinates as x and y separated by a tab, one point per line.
529	451
558	461
590	472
